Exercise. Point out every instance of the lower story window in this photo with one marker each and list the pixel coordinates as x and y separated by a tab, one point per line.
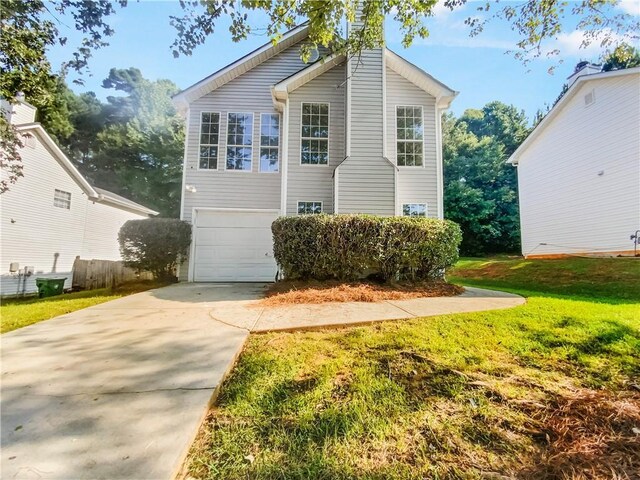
414	209
309	208
62	199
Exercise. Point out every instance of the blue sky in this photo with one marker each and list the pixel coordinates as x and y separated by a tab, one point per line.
477	67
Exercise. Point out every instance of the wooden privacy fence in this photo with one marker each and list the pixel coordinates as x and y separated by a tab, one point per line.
90	274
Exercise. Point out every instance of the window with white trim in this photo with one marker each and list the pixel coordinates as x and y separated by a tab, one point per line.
209	139
309	208
409	136
314	135
269	142
239	141
62	199
414	209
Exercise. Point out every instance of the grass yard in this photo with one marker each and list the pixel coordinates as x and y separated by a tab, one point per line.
18	313
547	390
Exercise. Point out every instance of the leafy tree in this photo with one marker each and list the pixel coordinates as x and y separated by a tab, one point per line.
624	56
133	144
480	188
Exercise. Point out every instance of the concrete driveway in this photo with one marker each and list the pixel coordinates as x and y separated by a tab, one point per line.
117	390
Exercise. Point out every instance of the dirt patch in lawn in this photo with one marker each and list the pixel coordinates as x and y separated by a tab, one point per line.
591	435
294	292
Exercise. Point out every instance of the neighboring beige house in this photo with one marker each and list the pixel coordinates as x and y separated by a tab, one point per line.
269	135
579	170
52	214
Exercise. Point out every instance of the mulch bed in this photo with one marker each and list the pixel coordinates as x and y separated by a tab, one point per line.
295	292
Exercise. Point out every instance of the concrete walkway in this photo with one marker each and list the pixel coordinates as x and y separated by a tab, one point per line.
119	390
249	314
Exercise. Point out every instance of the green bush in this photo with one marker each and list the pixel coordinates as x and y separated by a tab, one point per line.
349	247
155	244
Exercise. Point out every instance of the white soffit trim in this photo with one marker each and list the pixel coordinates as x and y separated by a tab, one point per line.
240	66
420	78
281	90
569	94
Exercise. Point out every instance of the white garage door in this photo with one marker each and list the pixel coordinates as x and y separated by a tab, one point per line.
234	246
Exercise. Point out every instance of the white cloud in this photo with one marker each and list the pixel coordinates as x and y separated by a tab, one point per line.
572	44
632	7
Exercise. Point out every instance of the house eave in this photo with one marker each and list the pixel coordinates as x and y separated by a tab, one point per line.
233	70
421	79
281	90
569	94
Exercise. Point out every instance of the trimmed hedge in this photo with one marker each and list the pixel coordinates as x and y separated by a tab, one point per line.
155	244
349	247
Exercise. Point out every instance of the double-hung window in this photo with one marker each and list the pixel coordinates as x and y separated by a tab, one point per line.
209	136
239	141
309	208
314	144
414	209
269	142
409	136
62	199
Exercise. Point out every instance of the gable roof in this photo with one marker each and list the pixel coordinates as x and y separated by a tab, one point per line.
93	193
421	79
240	66
281	90
557	108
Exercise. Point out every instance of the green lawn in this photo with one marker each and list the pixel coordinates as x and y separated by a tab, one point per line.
18	313
545	390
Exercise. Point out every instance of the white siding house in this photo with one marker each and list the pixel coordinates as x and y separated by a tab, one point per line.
52	214
579	170
270	135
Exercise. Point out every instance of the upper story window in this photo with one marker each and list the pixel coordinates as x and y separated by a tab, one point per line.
62	199
239	141
209	138
409	136
269	142
414	209
314	145
309	208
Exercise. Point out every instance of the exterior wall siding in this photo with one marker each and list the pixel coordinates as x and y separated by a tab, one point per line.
101	231
366	180
565	200
33	230
315	182
249	93
415	184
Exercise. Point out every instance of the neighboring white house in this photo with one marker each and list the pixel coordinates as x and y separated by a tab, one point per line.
579	170
52	214
269	135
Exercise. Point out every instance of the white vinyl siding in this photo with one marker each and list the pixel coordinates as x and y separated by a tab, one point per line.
366	180
309	208
409	136
62	199
414	184
269	142
314	134
414	209
316	182
239	141
578	180
36	233
250	92
209	140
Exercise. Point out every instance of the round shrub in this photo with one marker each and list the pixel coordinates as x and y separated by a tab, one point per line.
349	247
155	244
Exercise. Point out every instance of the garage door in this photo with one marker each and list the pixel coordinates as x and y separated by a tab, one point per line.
234	246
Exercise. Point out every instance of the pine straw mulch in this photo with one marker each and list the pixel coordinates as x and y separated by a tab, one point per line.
298	291
590	435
